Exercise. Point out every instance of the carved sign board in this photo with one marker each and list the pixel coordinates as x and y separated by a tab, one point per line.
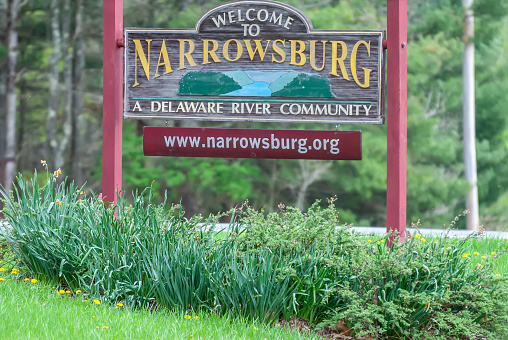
252	143
254	61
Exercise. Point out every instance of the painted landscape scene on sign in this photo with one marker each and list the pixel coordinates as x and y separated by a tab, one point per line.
255	84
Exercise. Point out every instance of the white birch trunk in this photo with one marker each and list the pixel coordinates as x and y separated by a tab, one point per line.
472	219
10	113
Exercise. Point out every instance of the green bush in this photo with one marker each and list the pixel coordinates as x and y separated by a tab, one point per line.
278	266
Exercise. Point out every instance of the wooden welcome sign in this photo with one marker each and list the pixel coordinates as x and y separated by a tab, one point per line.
254	61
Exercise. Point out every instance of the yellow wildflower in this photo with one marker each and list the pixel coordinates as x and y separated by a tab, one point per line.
105	327
2	279
256	329
59	171
2	269
85	300
33	280
493	253
78	292
448	248
93	316
465	255
196	317
96	326
120	304
480	266
62	291
476	253
382	241
369	241
190	336
187	317
484	257
68	291
242	234
418	236
378	242
423	240
26	279
43	162
498	275
14	271
97	302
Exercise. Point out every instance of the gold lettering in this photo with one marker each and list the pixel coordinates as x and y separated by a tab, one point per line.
279	51
186	55
313	54
367	71
207	51
144	61
340	60
259	48
225	50
164	55
300	51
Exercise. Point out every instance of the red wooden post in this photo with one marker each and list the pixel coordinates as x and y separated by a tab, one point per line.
112	99
396	161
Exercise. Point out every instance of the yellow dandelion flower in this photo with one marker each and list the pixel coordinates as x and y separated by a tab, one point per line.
68	291
256	329
59	171
476	253
418	236
120	304
382	241
378	242
97	302
187	317
93	316
81	193
483	257
257	295
190	336
196	317
369	241
26	279
435	242
85	300
493	253
465	255
78	292
61	291
105	327
423	240
33	280
14	271
2	269
242	234
2	279
498	275
448	248
97	327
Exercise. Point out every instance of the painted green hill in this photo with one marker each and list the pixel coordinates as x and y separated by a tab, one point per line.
207	84
306	86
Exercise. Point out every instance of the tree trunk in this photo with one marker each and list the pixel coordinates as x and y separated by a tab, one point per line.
51	119
10	112
311	171
472	219
77	153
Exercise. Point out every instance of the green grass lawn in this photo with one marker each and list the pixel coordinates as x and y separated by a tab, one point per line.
36	311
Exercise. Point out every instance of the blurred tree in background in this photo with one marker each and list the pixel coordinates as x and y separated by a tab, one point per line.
59	113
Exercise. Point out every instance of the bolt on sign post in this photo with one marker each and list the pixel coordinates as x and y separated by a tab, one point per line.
253	61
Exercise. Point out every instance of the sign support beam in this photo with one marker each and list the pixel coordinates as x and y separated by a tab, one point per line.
112	100
396	159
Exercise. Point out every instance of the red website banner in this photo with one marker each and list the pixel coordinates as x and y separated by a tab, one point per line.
252	143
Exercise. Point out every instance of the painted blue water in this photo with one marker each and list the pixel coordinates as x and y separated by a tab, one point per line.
256	89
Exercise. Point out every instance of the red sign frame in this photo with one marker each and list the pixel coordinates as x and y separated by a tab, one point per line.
396	162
